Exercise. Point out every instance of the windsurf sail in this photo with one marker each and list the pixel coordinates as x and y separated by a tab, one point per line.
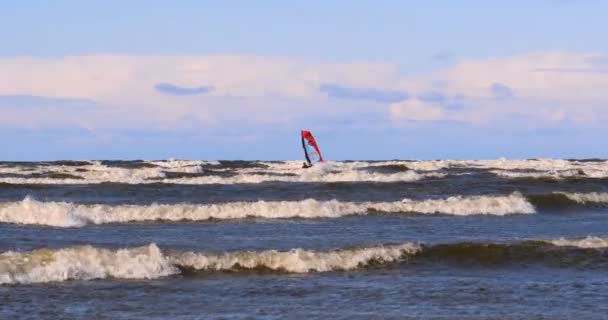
311	148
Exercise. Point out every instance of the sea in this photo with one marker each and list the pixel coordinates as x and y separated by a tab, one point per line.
399	239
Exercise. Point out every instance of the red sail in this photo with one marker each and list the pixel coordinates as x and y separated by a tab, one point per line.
311	148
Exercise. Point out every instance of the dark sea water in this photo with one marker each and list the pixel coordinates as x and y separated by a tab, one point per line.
480	239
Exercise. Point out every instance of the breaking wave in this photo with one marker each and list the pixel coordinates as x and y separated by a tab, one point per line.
547	175
296	260
150	262
567	199
592	197
194	175
233	172
65	214
83	263
588	242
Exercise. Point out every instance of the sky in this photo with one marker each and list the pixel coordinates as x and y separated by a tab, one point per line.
238	80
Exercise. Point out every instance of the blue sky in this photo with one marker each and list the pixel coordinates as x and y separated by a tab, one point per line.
239	79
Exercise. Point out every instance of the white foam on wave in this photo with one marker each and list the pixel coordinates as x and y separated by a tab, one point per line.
65	214
557	166
320	175
430	165
157	175
426	165
514	203
84	263
298	260
97	172
522	164
92	173
30	211
173	163
589	242
291	171
149	262
536	168
592	197
17	169
552	174
546	168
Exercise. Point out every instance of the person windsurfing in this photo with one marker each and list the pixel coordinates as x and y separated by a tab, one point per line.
311	149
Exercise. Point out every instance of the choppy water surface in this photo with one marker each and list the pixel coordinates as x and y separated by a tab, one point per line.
446	239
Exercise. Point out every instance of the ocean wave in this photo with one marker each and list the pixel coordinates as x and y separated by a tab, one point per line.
173	163
296	260
150	262
588	242
550	175
95	175
540	165
597	165
555	169
587	253
314	176
83	263
231	172
65	214
592	197
568	199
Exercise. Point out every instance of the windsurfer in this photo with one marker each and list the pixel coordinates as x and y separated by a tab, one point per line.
312	153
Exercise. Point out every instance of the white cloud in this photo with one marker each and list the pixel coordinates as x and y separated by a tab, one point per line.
534	76
107	76
543	88
417	110
260	88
